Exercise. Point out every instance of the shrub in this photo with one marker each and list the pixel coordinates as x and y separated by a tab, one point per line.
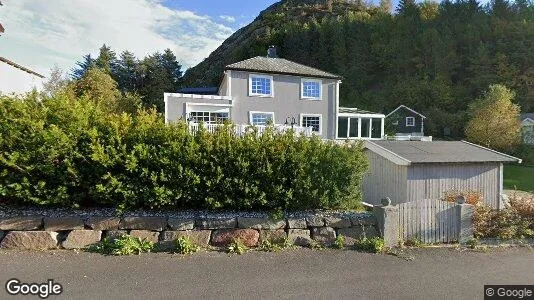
471	196
514	221
374	245
184	245
237	247
124	245
71	153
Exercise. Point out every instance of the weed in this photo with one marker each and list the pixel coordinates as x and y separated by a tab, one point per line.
374	245
124	245
472	243
237	247
339	243
316	245
414	242
275	246
184	245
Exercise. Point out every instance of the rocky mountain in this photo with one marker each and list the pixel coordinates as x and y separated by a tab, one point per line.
436	58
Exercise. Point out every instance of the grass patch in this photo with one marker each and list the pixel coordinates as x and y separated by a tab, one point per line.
519	177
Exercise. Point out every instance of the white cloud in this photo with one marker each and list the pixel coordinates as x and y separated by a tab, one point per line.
228	19
40	34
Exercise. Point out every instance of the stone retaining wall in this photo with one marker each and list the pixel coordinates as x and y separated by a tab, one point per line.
73	232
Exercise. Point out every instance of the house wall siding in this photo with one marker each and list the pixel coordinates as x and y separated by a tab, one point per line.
384	179
176	106
286	101
401	115
431	181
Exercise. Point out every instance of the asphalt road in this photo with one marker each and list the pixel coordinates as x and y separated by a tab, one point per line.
314	274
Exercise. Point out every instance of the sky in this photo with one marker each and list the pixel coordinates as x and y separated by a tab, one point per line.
40	34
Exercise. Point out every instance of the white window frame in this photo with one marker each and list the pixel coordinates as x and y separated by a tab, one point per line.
413	121
313	115
250	76
260	112
320	82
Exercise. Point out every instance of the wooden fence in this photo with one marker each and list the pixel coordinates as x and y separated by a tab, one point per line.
429	221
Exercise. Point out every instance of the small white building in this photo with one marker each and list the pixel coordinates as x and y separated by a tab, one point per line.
527	128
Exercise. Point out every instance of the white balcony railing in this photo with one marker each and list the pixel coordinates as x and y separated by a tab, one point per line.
240	129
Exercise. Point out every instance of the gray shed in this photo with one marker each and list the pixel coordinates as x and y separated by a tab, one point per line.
407	171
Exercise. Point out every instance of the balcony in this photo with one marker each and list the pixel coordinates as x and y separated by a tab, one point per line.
241	129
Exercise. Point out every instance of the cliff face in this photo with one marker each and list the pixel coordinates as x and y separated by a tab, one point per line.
267	29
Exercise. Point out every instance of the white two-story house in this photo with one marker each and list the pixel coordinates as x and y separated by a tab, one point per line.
263	90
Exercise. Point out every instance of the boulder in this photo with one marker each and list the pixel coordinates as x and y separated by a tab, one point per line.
324	235
315	221
223	237
365	219
103	223
77	239
276	235
337	222
143	223
294	223
21	223
29	240
148	235
217	223
355	233
299	237
113	234
63	223
260	223
199	237
181	224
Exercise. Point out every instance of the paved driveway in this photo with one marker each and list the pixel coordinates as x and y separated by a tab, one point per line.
327	274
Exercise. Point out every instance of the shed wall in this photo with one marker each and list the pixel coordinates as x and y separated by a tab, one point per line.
384	179
431	181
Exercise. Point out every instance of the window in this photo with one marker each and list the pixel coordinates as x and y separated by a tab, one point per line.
259	118
208	117
313	121
410	121
311	89
260	85
356	127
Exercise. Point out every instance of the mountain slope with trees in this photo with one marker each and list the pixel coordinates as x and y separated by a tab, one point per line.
435	58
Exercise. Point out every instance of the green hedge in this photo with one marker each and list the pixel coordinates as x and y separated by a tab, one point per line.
64	152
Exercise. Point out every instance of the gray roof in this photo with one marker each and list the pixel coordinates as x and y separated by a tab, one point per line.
529	116
353	110
408	152
279	66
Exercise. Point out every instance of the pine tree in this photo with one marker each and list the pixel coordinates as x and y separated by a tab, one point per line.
83	66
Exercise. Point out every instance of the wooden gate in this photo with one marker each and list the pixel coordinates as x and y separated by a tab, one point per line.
429	221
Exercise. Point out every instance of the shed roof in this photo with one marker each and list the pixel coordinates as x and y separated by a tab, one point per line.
279	66
527	116
407	108
408	152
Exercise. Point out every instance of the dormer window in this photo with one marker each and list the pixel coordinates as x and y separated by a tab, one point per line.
310	89
260	85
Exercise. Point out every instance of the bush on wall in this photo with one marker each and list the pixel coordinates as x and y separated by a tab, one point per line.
67	151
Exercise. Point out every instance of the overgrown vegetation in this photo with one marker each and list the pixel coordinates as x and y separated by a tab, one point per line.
513	222
74	151
124	245
237	247
374	244
275	245
184	245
